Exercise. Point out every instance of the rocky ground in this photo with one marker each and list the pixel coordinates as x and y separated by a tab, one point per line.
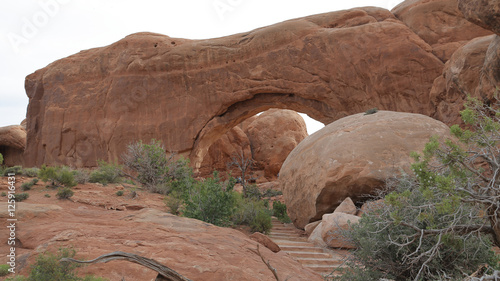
96	221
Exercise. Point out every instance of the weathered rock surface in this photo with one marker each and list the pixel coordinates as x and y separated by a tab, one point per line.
347	207
310	227
188	93
195	249
461	77
221	152
12	144
273	135
351	157
485	13
439	23
266	139
334	227
315	236
266	241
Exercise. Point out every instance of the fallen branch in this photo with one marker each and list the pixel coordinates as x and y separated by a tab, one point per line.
164	273
273	270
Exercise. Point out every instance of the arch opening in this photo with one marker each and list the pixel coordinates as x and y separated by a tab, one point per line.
240	111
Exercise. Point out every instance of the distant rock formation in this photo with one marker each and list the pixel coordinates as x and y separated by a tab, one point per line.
351	157
12	144
439	23
267	139
188	93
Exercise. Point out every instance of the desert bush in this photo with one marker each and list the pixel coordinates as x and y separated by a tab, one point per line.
28	185
1	159
21	196
272	193
253	213
174	202
49	268
4	269
3	194
30	172
252	191
279	211
47	195
57	176
107	173
81	176
119	193
209	200
440	222
156	170
64	193
13	170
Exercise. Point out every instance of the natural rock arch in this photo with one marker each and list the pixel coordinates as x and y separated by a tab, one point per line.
91	105
241	111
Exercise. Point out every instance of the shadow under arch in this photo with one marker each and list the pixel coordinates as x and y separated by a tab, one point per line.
238	112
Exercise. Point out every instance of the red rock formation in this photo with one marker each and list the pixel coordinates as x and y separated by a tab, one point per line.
461	76
485	13
273	135
351	157
440	23
12	144
188	93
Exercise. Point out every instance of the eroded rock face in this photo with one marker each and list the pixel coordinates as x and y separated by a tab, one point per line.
485	13
12	144
351	157
461	77
197	250
266	139
439	23
188	93
273	135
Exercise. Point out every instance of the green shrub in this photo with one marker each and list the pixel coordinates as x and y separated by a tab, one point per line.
155	170
28	185
272	193
174	202
49	268
252	191
57	176
4	269
262	222
13	170
3	194
47	195
253	213
371	111
16	278
81	176
64	193
1	159
119	193
30	172
279	211
209	200
21	196
107	173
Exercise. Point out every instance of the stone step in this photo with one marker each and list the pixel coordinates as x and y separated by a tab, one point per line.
290	238
319	261
293	243
309	249
319	268
301	254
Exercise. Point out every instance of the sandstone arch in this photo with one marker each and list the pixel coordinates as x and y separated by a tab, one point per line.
91	105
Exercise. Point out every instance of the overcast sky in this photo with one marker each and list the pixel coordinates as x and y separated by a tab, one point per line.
35	33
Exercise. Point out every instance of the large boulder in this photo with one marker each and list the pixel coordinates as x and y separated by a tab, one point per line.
440	23
334	229
273	135
188	93
12	144
195	249
351	157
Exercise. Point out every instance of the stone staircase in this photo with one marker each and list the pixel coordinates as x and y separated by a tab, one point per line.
291	241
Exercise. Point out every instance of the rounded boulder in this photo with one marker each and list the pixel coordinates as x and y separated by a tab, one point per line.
351	157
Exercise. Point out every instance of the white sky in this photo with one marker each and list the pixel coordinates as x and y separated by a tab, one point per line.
34	33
